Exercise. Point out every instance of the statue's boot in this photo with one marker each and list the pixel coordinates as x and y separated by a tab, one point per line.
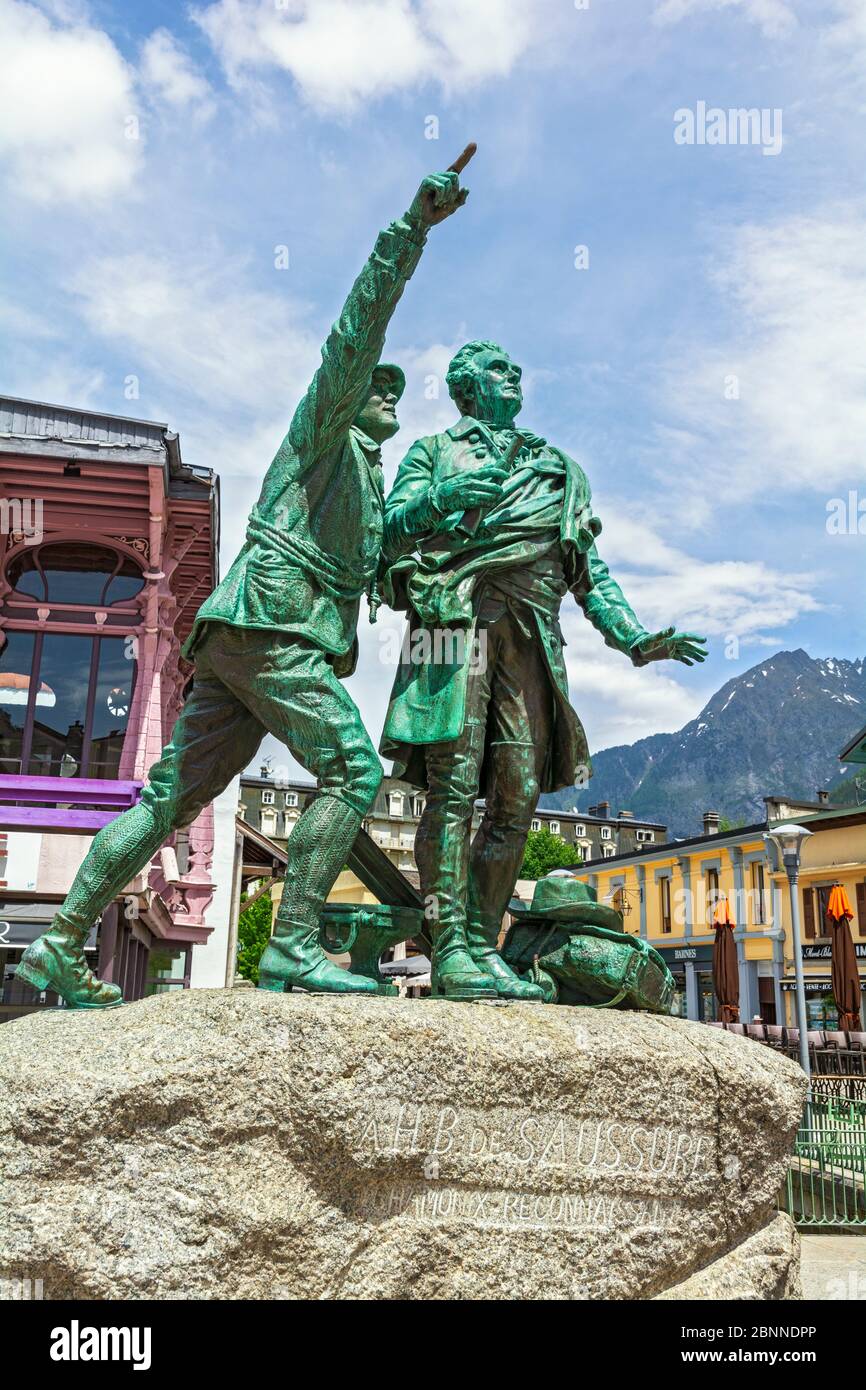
56	961
318	847
293	959
453	972
482	949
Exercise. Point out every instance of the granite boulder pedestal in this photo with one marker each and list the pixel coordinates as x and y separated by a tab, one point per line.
243	1144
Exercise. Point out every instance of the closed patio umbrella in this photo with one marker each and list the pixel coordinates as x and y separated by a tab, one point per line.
726	976
846	981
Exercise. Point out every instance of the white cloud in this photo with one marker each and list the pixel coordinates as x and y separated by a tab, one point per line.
65	97
844	39
618	702
792	364
773	17
169	73
341	52
197	326
714	597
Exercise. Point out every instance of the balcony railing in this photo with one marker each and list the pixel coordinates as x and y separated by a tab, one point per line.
63	805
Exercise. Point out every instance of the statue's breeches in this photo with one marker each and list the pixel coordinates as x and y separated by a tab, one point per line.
507	732
248	683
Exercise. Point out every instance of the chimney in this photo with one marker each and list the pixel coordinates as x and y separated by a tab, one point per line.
265	771
824	798
711	822
626	815
603	809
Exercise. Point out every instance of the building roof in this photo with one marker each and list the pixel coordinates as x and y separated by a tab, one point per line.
835	814
671	849
247	780
39	439
69	432
259	849
598	820
855	751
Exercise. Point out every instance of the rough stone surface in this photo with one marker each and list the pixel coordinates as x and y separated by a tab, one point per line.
222	1144
764	1265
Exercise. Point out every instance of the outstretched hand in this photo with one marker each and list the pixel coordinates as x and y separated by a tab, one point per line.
670	645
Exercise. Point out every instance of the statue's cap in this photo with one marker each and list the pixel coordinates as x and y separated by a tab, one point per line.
396	376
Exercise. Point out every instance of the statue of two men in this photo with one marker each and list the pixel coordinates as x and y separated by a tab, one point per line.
485	531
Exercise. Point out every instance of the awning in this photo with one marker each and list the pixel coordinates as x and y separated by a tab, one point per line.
22	922
411	965
821	984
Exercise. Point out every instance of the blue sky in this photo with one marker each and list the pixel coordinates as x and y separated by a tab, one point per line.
708	367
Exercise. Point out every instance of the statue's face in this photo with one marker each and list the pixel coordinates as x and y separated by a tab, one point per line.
495	388
378	416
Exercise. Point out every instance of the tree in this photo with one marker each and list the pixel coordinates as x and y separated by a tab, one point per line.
254	933
545	852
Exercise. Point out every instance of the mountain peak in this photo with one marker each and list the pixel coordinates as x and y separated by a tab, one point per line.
777	726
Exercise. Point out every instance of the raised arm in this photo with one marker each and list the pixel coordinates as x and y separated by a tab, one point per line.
354	344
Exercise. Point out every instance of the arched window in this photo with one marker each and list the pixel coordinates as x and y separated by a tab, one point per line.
74	572
65	697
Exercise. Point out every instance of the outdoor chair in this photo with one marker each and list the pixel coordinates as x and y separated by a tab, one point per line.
738	1028
857	1053
775	1035
824	1059
757	1031
836	1044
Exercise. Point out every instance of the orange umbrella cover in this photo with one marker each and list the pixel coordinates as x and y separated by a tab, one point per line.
839	905
722	915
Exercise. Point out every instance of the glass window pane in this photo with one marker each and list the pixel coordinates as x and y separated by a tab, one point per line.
75	573
61	706
166	964
16	661
115	680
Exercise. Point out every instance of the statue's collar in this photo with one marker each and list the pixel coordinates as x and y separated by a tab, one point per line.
370	446
467	425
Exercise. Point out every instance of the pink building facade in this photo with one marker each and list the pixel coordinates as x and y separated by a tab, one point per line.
108	546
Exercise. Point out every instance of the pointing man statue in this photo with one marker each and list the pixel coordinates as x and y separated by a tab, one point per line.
494	526
270	643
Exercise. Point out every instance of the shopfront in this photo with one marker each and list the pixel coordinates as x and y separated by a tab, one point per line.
821	1008
120	950
692	969
21	921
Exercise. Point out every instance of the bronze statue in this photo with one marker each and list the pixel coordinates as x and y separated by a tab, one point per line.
486	529
271	644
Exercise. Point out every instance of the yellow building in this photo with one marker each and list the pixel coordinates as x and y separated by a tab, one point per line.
668	894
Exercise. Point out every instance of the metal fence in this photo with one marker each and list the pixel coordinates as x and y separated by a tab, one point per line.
826	1181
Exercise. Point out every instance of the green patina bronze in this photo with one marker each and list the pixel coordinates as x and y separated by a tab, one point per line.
366	933
486	529
575	949
271	642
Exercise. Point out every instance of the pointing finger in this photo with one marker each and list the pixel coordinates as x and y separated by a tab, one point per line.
463	158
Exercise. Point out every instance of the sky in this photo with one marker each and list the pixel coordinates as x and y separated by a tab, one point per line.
190	190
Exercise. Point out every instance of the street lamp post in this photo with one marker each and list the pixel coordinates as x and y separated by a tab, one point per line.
788	840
